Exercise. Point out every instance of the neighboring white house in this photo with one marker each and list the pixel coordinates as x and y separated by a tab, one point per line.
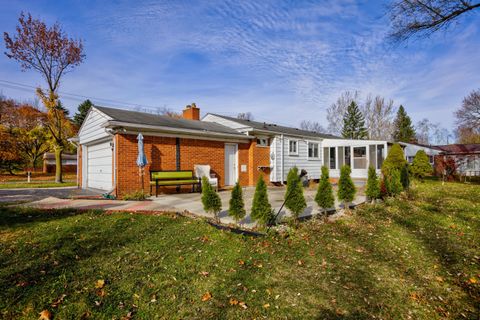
308	150
411	149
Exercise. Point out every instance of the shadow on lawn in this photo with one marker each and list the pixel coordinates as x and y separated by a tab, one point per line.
14	216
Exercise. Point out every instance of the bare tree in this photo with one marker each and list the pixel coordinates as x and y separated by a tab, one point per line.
245	116
379	115
49	51
468	115
165	111
338	109
312	126
411	18
422	129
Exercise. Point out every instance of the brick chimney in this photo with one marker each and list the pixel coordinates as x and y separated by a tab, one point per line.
191	112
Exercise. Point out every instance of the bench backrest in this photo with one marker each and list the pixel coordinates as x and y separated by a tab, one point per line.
171	175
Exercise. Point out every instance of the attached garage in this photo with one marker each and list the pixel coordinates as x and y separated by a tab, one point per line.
99	160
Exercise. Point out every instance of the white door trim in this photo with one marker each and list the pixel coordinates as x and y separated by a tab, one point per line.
233	170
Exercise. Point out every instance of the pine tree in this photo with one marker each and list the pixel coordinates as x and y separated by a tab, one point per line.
346	187
354	123
324	197
210	199
395	160
294	199
373	187
82	112
261	208
236	209
403	128
405	177
421	165
393	184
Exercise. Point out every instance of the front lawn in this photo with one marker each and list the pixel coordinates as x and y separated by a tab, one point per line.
38	180
415	259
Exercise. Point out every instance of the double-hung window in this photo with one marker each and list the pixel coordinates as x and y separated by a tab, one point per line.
293	147
313	152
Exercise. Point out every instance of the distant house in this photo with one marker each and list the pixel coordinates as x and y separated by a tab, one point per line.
411	149
69	162
466	156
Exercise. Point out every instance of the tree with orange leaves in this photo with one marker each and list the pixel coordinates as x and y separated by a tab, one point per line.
49	51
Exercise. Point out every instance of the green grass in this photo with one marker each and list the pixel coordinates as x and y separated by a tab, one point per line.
406	259
23	185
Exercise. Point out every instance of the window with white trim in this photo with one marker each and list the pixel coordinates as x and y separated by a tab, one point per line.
313	152
262	142
293	146
359	157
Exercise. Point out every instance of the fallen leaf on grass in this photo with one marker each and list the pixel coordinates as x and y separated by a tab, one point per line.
204	273
233	301
101	293
100	284
472	280
206	296
243	305
58	301
439	279
241	262
301	262
45	315
266	305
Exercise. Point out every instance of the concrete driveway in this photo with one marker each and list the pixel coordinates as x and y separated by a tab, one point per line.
34	194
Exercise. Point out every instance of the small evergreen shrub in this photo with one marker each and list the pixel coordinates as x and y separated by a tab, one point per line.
421	165
294	199
393	184
405	177
261	208
135	196
373	186
395	160
324	197
210	199
236	209
346	187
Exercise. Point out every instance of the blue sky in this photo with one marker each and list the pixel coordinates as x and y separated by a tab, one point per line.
284	61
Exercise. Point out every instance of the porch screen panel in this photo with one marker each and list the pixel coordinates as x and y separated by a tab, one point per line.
359	157
332	158
380	157
372	154
348	154
326	157
341	156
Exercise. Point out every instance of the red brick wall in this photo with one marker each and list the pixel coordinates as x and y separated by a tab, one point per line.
258	156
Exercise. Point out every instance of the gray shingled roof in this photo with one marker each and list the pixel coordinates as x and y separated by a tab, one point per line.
277	128
143	118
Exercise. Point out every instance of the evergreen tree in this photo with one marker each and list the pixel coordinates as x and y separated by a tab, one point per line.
405	177
346	187
395	160
421	165
294	199
82	112
210	199
261	208
403	127
324	197
373	186
236	209
393	184
354	123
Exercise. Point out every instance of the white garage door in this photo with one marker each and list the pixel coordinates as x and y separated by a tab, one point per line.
99	166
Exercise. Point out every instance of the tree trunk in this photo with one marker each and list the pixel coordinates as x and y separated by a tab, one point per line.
58	164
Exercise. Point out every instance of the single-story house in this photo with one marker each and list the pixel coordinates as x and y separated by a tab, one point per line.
466	156
236	150
411	149
69	162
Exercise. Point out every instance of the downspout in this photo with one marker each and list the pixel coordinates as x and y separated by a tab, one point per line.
282	159
113	134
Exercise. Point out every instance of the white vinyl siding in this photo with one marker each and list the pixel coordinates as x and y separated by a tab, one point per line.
223	121
92	129
99	166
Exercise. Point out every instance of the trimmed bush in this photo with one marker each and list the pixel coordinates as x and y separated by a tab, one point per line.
135	196
261	208
395	160
210	199
236	209
346	187
294	199
421	165
405	177
324	197
393	184
373	186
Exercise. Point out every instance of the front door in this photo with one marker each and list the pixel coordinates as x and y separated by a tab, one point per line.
230	164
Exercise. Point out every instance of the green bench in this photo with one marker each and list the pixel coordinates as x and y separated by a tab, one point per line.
172	178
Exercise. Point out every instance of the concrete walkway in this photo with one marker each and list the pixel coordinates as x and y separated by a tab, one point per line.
185	202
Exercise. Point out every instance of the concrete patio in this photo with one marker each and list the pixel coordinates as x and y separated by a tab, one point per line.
188	202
